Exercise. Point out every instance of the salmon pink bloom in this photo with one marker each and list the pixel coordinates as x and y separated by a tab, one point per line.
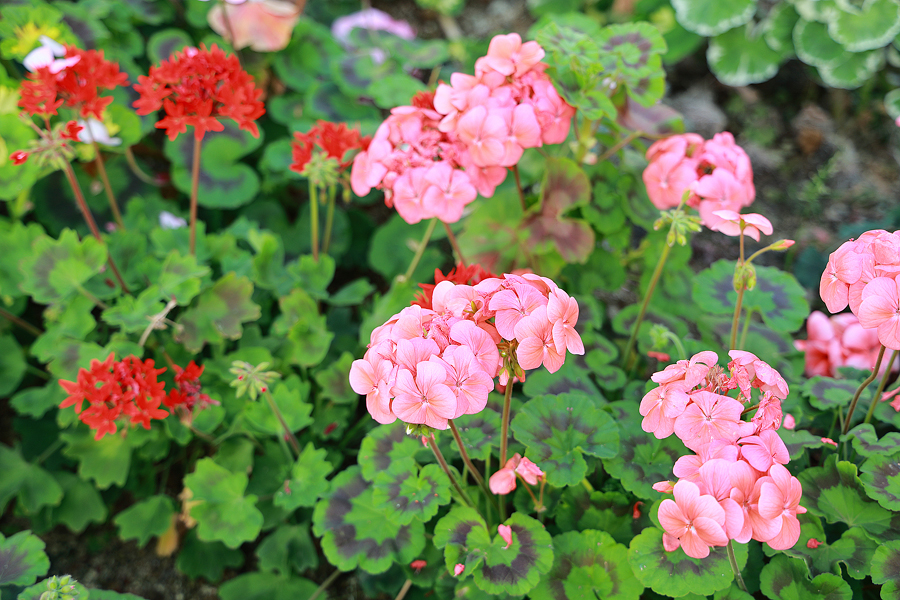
692	371
764	450
661	406
789	421
371	380
731	224
715	481
505	532
484	133
513	305
425	399
667	178
450	191
696	520
779	501
562	311
880	309
466	379
524	131
502	482
263	25
509	56
813	543
529	471
844	268
709	417
458	569
536	347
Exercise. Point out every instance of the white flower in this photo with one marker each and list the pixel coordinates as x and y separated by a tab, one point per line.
45	56
96	130
169	221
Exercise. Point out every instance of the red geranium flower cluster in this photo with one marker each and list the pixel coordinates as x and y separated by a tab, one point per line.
76	86
187	395
125	389
198	87
335	139
471	275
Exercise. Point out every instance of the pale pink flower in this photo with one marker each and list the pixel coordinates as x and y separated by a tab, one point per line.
450	191
513	305
667	178
715	480
688	467
661	406
692	371
505	532
764	450
697	521
529	471
458	569
502	482
509	56
708	417
46	55
426	399
484	133
731	224
789	421
553	113
745	492
408	197
485	350
373	20
844	268
664	487
410	353
371	379
880	309
718	191
263	25
466	379
524	131
768	415
562	311
684	145
536	347
779	500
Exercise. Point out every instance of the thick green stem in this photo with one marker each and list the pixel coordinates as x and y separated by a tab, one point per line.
420	250
314	218
329	220
627	357
734	567
860	389
455	244
881	386
504	438
195	188
89	219
432	443
287	430
471	467
736	318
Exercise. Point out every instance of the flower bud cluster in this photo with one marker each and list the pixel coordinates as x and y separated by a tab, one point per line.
735	486
428	365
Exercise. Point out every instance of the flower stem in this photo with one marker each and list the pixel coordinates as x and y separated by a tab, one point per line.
101	169
89	219
504	439
860	389
314	218
455	244
404	590
881	386
20	322
643	311
287	431
515	170
736	318
734	567
432	443
465	456
137	170
329	220
619	145
48	451
420	250
325	584
195	187
746	329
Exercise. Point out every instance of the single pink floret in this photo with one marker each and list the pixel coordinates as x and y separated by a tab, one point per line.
696	521
731	224
426	399
505	532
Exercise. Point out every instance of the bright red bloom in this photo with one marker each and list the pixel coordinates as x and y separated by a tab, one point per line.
199	87
116	389
335	139
18	157
77	86
460	274
71	131
187	394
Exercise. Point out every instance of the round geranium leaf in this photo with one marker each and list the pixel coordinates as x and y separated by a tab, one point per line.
814	10
464	537
677	574
588	564
741	56
405	493
827	393
611	512
712	17
222	511
871	25
516	569
558	430
886	570
308	480
22	559
853	70
787	577
356	532
892	103
835	492
813	45
384	445
866	441
642	460
854	549
480	432
881	479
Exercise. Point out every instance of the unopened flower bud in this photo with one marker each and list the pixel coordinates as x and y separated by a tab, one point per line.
782	244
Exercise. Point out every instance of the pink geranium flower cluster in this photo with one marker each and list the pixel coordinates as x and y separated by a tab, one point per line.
504	481
837	341
716	172
735	486
863	274
433	158
425	366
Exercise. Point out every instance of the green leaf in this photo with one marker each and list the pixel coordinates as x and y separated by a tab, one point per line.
307	335
16	179
223	513
394	90
677	574
853	70
16	240
710	17
393	246
12	364
383	446
835	492
742	56
106	460
355	533
39	489
162	44
642	459
133	314
289	396
588	564
886	569
871	25
558	430
263	586
481	432
881	478
633	52
56	269
866	442
288	549
34	402
219	313
854	549
22	559
147	518
308	480
313	276
827	393
81	504
352	294
206	559
786	577
497	569
180	277
405	493
334	381
814	46
611	512
571	377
